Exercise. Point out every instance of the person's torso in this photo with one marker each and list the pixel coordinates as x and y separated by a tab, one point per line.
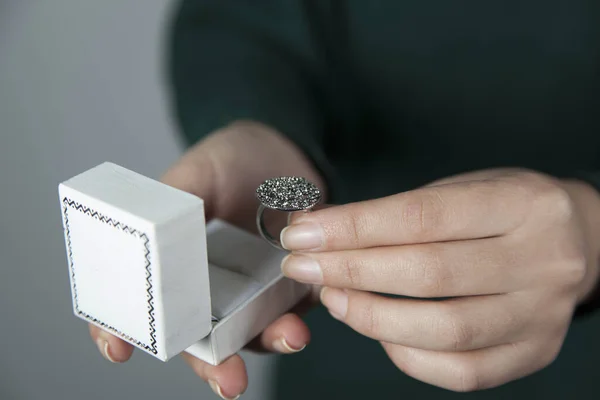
417	90
421	89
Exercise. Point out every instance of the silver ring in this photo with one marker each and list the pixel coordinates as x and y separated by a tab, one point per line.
285	193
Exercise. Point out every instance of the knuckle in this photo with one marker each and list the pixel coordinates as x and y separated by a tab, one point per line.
461	335
579	268
350	268
369	320
354	222
541	195
575	269
404	359
567	262
550	354
467	378
521	185
455	333
559	202
424	214
433	277
551	200
529	177
543	351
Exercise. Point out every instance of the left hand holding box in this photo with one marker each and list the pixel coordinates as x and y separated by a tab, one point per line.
146	268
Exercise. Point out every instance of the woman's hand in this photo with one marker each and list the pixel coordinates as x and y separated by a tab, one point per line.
225	170
507	254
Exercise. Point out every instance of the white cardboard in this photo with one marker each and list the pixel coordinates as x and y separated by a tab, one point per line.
236	250
136	251
145	267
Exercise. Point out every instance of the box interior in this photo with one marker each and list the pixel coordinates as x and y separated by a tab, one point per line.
238	269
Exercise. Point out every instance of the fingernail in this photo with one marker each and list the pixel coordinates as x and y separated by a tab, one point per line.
302	268
336	301
104	349
282	346
217	389
302	237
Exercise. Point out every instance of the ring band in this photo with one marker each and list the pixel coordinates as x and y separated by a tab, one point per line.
262	229
286	193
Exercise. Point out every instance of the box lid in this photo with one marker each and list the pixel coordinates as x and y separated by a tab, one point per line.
137	257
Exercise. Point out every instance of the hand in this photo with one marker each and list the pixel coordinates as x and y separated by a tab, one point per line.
225	170
493	263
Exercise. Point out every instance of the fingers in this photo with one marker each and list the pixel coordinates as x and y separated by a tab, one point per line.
473	370
456	211
228	379
443	269
287	335
111	347
452	325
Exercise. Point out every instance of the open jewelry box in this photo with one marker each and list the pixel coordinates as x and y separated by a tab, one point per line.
146	267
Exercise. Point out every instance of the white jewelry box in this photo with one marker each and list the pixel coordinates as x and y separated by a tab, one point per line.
145	266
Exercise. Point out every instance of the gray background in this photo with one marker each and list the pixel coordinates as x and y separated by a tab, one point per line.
80	83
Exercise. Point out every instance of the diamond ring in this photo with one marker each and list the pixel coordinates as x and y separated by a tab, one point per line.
285	193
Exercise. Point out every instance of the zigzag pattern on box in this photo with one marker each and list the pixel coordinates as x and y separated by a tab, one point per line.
149	288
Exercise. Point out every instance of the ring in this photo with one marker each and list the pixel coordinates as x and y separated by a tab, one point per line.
285	193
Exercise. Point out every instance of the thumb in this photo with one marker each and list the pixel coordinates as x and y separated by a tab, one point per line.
194	174
227	190
226	167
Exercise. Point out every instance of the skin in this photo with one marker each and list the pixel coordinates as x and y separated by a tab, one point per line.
511	252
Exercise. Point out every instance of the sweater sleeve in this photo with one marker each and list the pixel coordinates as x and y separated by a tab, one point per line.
231	61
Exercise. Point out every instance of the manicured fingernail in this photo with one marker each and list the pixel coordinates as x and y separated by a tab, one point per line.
336	301
282	346
302	236
302	268
217	389
104	349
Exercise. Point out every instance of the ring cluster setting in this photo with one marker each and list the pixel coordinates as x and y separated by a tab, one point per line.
288	193
284	193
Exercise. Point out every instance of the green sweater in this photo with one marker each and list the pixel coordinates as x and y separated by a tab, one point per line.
385	96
